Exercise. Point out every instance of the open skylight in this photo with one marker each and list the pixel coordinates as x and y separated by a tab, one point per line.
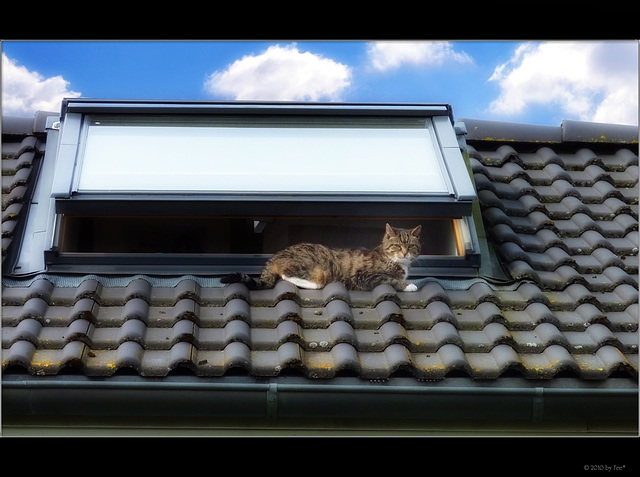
208	187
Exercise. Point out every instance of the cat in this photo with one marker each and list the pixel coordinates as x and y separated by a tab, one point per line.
312	266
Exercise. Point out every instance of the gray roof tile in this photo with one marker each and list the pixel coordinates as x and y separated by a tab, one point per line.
155	339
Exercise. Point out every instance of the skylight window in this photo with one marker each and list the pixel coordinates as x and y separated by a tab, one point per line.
215	187
287	159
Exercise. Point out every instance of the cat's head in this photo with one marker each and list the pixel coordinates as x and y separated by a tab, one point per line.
402	245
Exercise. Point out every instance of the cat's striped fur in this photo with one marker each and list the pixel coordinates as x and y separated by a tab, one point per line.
314	266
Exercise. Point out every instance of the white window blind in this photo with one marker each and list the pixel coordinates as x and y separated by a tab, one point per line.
164	158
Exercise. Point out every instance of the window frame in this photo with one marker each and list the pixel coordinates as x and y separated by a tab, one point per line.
60	196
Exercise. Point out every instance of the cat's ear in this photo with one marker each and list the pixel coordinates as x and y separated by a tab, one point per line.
390	231
416	232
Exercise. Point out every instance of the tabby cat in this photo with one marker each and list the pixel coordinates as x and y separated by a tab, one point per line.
313	266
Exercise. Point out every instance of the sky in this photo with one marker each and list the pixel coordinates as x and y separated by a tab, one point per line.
534	82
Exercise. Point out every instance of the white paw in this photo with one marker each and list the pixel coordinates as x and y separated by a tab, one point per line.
411	287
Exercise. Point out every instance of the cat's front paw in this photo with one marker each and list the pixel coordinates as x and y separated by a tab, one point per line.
410	288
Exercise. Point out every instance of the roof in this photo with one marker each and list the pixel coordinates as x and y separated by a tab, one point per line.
560	211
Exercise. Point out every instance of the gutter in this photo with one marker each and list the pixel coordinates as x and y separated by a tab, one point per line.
296	397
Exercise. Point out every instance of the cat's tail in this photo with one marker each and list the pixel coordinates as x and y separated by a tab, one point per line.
250	282
267	279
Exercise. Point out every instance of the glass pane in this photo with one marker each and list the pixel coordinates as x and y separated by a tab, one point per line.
152	158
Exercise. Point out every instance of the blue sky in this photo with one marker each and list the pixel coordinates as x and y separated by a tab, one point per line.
533	82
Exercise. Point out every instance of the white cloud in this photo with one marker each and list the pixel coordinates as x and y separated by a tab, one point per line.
388	55
589	81
281	74
24	92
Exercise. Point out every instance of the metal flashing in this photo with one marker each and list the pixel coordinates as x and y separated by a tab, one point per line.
88	105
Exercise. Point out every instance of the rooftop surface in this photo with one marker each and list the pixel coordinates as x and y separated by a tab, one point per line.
559	208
